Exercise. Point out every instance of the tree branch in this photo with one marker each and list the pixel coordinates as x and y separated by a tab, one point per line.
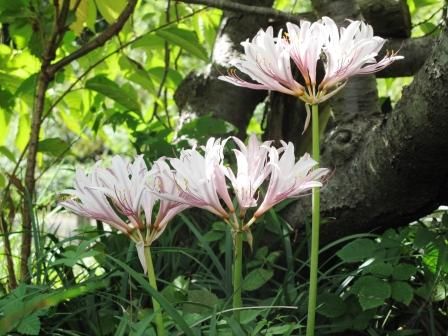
98	41
398	174
389	18
253	10
43	81
45	76
415	52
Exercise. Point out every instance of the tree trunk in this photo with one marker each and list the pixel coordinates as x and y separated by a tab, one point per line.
374	154
400	172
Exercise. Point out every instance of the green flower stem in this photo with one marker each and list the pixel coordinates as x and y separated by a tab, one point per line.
237	273
314	229
153	283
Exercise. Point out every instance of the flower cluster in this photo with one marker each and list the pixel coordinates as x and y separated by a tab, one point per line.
344	52
120	197
124	195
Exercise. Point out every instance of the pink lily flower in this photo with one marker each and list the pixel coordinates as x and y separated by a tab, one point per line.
351	51
289	179
267	61
348	52
252	170
120	197
199	179
87	201
162	182
122	184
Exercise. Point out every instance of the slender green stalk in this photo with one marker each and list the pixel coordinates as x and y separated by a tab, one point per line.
237	274
153	283
314	230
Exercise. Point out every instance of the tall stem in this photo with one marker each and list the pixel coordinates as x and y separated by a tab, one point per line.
153	283
237	274
314	229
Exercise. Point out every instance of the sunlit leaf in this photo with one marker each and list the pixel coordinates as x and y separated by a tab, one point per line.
81	15
110	89
7	153
110	10
186	39
53	146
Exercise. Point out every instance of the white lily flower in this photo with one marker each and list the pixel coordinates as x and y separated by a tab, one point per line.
344	52
267	61
199	179
252	170
290	179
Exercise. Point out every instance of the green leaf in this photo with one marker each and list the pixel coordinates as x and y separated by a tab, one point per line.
186	39
284	329
402	292
80	16
30	325
110	89
423	236
203	127
357	250
213	235
200	301
371	291
6	152
137	74
257	278
53	146
379	268
428	27
43	301
6	99
2	181
331	305
173	77
403	271
110	10
177	318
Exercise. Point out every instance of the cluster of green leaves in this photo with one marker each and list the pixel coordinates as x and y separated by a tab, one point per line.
93	283
392	282
123	90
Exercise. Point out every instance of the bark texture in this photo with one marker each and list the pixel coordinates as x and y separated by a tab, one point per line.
400	173
376	155
389	18
202	93
415	52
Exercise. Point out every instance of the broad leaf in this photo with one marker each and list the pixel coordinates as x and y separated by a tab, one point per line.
110	89
403	271
257	278
53	146
402	292
357	250
110	10
186	39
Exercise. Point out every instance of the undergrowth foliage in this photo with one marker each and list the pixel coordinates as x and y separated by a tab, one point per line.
92	283
81	81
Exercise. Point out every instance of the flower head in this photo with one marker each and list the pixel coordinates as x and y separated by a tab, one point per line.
119	196
344	52
290	179
198	179
267	61
252	170
351	51
87	200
